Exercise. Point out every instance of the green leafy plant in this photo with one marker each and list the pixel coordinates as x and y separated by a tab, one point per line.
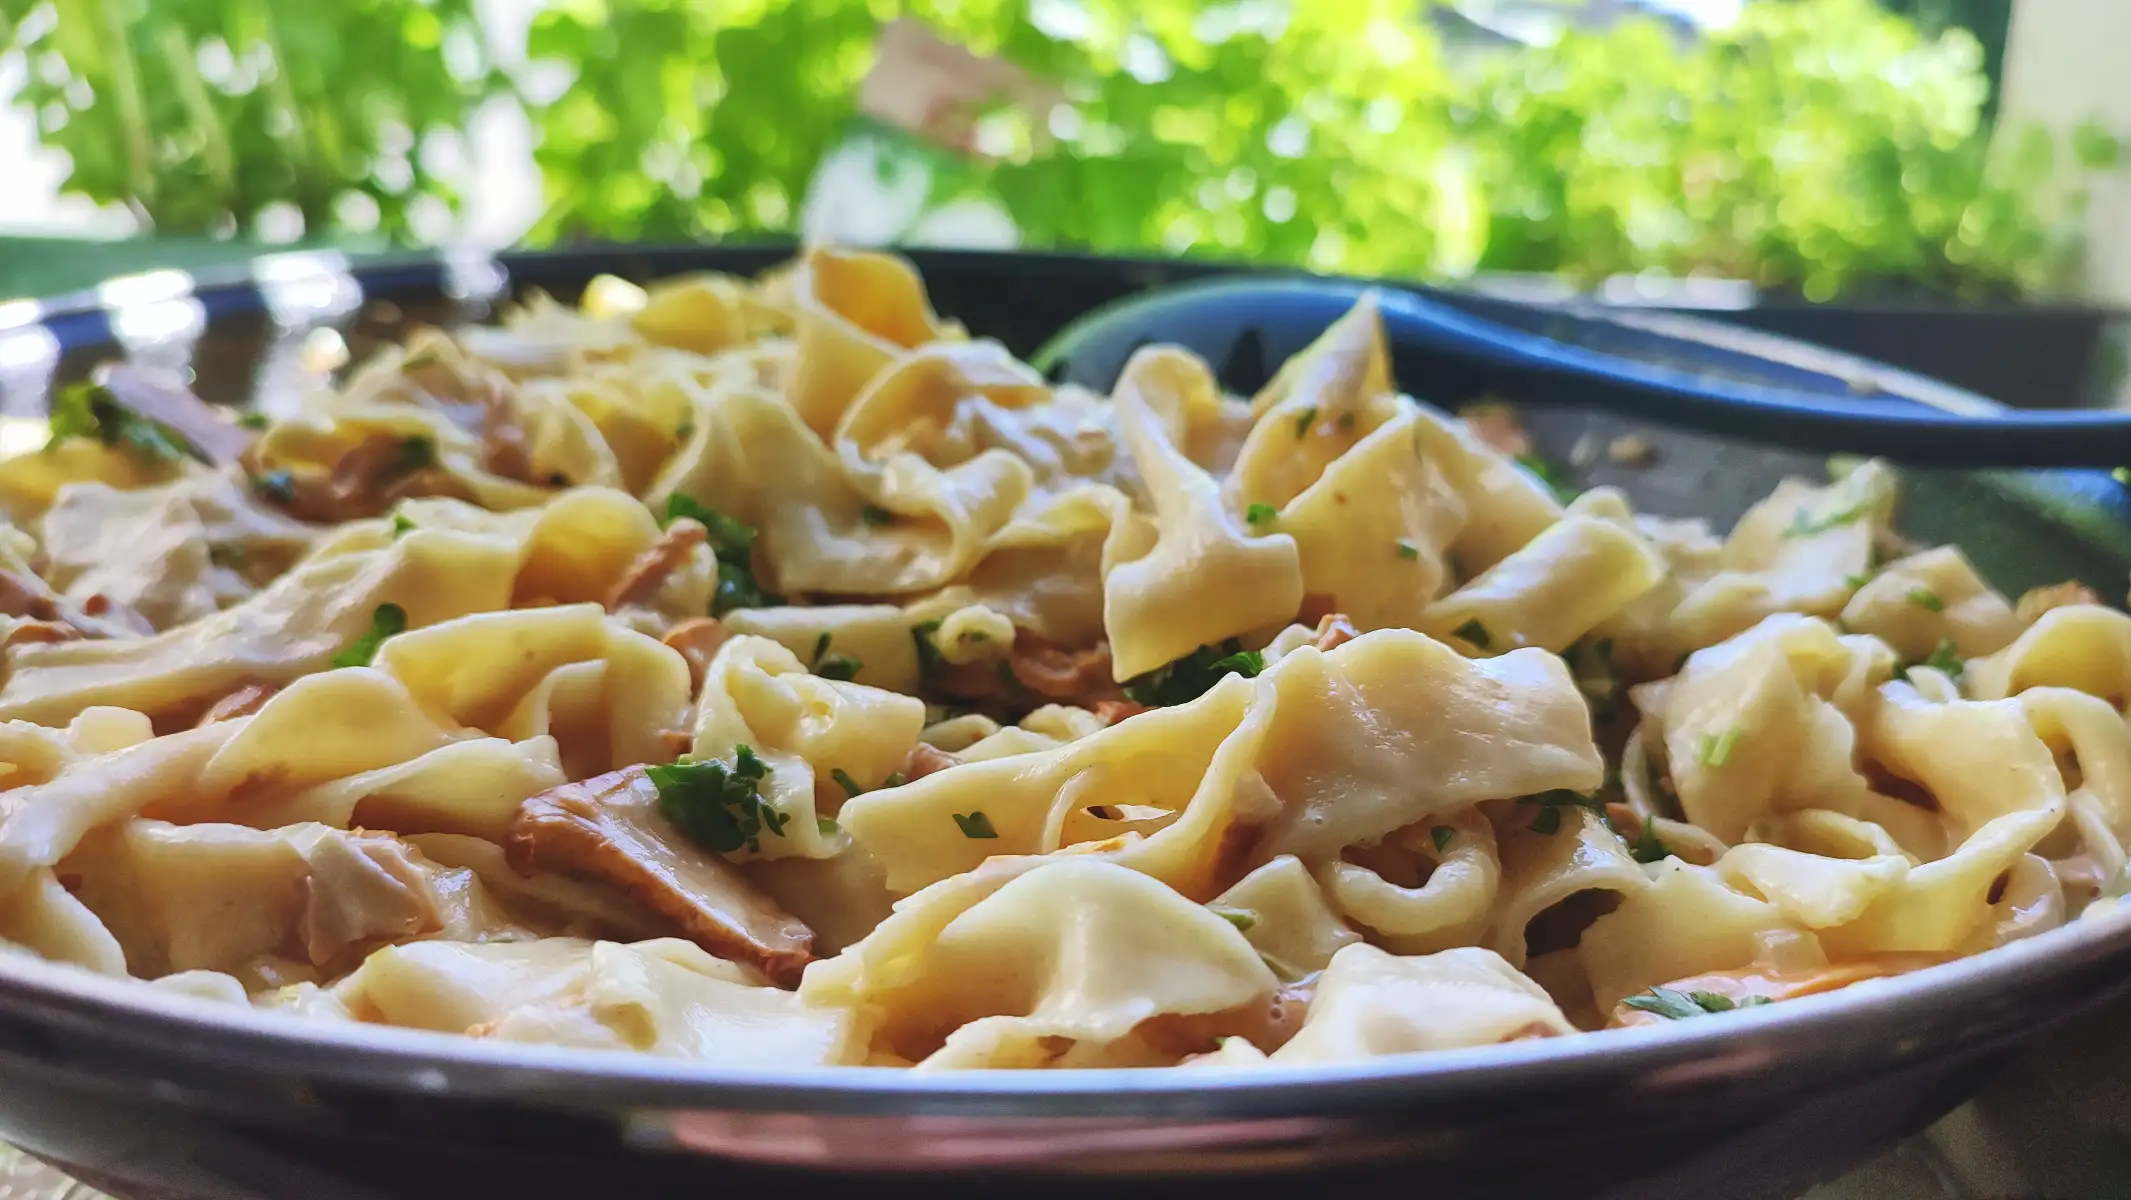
202	115
1826	146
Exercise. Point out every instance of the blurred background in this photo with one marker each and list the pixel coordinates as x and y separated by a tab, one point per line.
1940	183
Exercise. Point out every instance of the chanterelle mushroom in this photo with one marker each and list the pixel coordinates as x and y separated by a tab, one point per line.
610	827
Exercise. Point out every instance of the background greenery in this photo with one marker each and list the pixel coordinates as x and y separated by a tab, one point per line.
1822	145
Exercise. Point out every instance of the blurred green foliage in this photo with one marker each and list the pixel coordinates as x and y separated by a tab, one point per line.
201	115
1826	145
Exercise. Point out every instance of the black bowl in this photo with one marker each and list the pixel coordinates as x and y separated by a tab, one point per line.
152	1095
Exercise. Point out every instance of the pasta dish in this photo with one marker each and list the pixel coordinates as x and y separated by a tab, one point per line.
769	673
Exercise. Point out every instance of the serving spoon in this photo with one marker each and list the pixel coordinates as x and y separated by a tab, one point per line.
1680	371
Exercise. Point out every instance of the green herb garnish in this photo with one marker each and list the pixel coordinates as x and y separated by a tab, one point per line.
1476	633
1927	600
1548	818
1550	475
1647	848
975	825
717	805
840	667
1716	747
227	554
827	826
895	779
876	516
1241	918
732	542
1303	422
1407	549
254	419
1676	1005
385	621
400	524
1441	835
415	454
1854	582
929	660
843	780
89	410
1193	675
1944	657
1261	514
1804	524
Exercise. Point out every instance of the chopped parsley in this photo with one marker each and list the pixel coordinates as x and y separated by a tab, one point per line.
1927	600
227	554
843	780
1550	475
385	621
827	826
732	543
89	410
1261	514
1716	747
1804	524
1854	582
876	516
400	524
1676	1005
415	454
1303	422
1944	657
1476	633
975	826
1441	836
1193	675
841	667
254	419
1407	549
276	486
1647	847
717	805
686	431
1548	819
929	661
1241	918
895	779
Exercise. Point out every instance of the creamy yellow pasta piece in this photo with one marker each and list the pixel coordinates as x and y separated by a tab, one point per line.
1763	724
1544	865
1926	599
43	917
1372	531
1802	550
856	312
758	694
1450	907
1323	751
1283	915
1685	923
1370	1003
1202	577
1317	409
1568	579
2084	647
667	997
1056	967
1506	506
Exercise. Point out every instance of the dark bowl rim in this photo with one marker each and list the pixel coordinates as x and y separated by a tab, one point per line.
1853	1031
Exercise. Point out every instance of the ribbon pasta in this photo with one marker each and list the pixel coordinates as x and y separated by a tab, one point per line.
766	672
